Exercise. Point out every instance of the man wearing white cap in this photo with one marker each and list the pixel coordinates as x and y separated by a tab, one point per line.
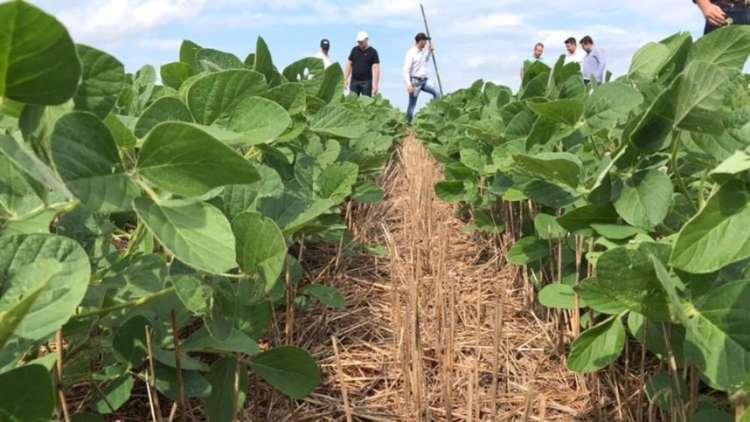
364	68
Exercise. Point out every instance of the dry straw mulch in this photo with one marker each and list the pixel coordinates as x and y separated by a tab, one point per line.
440	330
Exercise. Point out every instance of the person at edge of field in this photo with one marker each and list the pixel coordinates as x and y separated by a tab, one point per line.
594	64
415	72
364	68
573	53
324	53
719	13
537	57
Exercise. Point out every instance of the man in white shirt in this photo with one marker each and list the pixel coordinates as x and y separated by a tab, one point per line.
415	73
325	48
573	54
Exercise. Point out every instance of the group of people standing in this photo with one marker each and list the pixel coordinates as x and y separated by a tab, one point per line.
362	69
589	57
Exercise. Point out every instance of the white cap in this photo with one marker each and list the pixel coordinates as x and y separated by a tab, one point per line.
361	36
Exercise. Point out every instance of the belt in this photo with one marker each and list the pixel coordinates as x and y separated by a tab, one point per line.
419	78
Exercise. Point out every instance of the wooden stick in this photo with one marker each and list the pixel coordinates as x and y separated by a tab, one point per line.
342	384
60	387
153	396
178	366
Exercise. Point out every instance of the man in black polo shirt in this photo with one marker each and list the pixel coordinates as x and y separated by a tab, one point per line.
364	68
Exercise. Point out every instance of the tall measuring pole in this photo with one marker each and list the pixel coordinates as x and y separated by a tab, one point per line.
434	60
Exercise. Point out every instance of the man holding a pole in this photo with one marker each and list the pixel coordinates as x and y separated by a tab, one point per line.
415	72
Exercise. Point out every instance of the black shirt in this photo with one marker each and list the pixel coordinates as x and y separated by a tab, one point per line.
362	61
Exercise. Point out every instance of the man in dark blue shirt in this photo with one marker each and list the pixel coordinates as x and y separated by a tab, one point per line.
364	68
719	13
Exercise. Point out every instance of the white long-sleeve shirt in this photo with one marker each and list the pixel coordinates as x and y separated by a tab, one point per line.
326	59
415	64
576	57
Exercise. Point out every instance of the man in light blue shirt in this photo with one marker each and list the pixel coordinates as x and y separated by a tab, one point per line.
594	64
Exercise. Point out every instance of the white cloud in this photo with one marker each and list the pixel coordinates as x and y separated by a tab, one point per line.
159	44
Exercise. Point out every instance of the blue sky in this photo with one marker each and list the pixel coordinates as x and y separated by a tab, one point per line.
474	39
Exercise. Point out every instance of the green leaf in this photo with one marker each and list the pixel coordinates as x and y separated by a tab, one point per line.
727	47
332	78
547	227
63	291
290	95
336	181
615	231
329	296
258	120
224	402
193	382
86	157
645	199
559	296
552	166
37	66
174	74
717	236
583	217
129	342
626	277
235	342
237	199
367	193
597	347
197	233
212	60
162	110
27	394
738	163
337	121
193	293
451	191
185	160
21	294
123	136
188	51
648	61
28	162
290	370
264	63
693	103
528	250
610	105
659	390
101	81
261	248
309	72
567	111
214	96
117	394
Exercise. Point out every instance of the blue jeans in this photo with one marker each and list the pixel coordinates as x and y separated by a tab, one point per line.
740	14
419	85
361	87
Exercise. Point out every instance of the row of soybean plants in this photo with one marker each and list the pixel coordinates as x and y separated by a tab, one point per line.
147	221
629	203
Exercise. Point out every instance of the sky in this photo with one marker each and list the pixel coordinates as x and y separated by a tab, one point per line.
474	39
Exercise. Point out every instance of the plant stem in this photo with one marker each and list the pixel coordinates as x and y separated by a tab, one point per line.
678	176
132	304
60	387
178	366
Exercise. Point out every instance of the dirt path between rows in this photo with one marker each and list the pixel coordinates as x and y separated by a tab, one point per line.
439	330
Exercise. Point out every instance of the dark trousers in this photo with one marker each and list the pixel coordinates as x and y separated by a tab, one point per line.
740	14
361	87
419	85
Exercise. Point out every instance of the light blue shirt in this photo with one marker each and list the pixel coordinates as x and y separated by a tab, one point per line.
594	65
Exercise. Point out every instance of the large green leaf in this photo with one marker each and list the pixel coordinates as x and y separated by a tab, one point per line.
86	157
211	60
290	370
264	63
528	250
162	110
17	192
336	181
188	51
183	159
63	289
717	236
554	167
214	96
21	294
567	111
174	74
129	343
718	330
101	81
235	342
338	121
261	248
28	162
27	394
331	85
309	72
726	47
559	296
197	233
625	278
583	217
224	402
692	103
38	60
597	347
644	199
648	61
290	95
610	104
116	394
258	121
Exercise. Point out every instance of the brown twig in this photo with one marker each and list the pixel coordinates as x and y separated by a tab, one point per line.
178	367
60	386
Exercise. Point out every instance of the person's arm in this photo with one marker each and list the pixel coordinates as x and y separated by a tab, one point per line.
713	13
406	71
348	69
375	78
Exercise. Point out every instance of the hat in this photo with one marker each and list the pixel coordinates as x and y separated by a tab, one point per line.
422	37
361	36
324	43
